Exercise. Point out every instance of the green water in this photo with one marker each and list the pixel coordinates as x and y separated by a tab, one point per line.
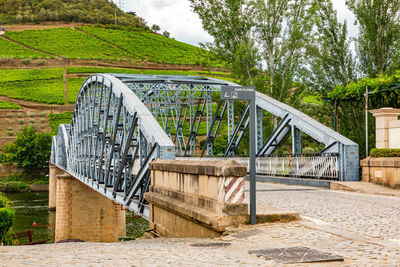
33	207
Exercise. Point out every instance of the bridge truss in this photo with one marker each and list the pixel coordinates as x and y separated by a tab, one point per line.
122	122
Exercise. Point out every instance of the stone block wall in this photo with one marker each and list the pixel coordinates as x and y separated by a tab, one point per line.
196	198
82	213
384	171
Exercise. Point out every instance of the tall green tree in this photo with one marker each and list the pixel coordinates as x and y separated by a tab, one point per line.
231	23
378	43
283	29
331	61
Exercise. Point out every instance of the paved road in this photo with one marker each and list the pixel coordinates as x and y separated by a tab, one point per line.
363	229
372	215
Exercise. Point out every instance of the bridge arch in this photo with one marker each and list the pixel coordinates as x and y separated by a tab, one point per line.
121	122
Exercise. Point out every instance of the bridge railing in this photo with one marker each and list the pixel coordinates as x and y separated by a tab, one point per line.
317	166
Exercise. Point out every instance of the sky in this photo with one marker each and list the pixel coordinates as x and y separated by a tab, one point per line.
177	17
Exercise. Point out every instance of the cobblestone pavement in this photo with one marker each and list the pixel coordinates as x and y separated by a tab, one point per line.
179	252
361	228
372	215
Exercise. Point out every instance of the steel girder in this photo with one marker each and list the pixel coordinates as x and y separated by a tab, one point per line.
121	122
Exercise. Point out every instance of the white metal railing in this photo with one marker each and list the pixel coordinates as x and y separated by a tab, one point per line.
321	166
324	166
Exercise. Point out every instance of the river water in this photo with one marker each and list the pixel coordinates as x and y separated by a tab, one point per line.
31	207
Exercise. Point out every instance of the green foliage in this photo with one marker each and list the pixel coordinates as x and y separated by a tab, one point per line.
44	91
384	152
29	150
4	202
7	217
9	49
329	55
148	46
8	105
74	86
68	43
56	119
233	44
13	186
136	227
19	75
378	42
94	11
357	89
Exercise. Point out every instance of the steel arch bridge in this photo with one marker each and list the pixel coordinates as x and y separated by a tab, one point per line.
122	122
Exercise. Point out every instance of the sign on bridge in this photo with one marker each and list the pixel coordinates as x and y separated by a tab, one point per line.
237	93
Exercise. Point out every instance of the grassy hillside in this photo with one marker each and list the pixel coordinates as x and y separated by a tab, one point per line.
144	45
9	49
47	85
100	43
41	71
67	43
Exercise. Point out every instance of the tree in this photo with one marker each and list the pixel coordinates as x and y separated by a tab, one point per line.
30	149
331	61
378	43
283	28
155	28
166	34
231	24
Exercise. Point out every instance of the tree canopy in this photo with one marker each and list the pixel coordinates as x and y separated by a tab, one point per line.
83	11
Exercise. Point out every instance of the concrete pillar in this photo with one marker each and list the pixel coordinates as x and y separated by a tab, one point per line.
83	213
394	134
53	173
383	117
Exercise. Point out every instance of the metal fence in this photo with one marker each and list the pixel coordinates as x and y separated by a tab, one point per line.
311	166
317	166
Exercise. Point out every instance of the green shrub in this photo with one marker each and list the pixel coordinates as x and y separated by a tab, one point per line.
26	61
8	105
40	63
13	186
29	150
384	152
7	217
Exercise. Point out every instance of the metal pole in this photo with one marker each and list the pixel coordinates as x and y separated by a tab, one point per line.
115	18
366	121
253	138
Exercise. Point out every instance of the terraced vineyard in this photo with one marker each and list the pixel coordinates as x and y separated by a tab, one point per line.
48	66
17	75
9	49
150	46
67	43
46	85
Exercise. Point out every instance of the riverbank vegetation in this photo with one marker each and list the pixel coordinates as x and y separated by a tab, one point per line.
7	219
30	150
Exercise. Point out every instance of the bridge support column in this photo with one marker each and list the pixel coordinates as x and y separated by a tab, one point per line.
85	214
53	173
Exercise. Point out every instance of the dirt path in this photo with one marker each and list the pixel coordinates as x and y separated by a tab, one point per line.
23	27
38	106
